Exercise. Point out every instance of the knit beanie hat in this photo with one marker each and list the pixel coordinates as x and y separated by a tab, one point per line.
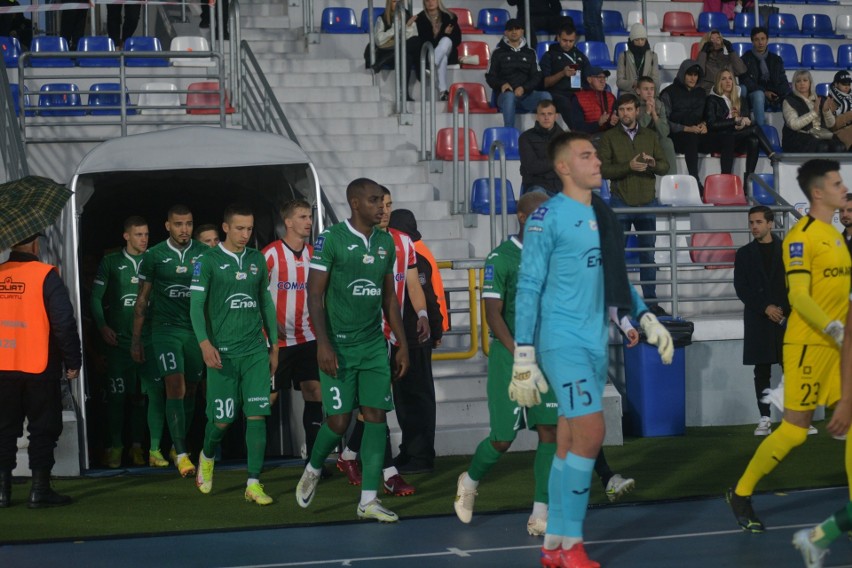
637	31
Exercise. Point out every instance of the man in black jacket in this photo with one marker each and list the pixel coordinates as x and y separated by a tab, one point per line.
765	79
563	68
545	15
514	75
760	284
536	168
39	335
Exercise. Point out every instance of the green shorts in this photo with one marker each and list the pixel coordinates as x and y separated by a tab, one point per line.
363	378
122	372
505	415
177	352
242	382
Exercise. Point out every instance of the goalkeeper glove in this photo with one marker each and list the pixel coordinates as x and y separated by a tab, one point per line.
527	380
835	330
658	335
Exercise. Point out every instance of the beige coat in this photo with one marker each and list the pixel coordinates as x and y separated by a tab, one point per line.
796	122
625	73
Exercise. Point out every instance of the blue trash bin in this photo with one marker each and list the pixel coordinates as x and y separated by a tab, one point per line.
656	393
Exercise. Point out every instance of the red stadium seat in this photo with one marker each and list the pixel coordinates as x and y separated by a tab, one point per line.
680	24
474	48
713	259
695	50
465	21
724	189
445	144
196	101
476	96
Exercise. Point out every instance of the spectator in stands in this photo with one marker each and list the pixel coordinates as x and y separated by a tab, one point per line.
808	119
593	20
759	280
765	79
726	115
684	102
545	15
596	103
118	30
16	25
73	24
536	167
652	115
638	60
383	38
632	158
562	67
716	54
514	75
841	92
846	221
440	27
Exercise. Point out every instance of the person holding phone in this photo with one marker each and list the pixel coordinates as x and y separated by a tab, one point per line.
438	26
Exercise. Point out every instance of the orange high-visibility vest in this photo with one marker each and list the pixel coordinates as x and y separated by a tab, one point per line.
24	327
437	282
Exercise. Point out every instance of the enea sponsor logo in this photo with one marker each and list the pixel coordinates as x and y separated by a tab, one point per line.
177	291
240	301
9	288
364	287
294	286
128	300
593	258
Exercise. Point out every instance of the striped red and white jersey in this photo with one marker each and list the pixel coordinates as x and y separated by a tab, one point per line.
405	258
288	286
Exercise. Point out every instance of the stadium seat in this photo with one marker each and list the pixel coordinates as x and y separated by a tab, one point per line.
822	89
377	13
786	52
508	135
11	48
694	50
49	44
819	25
476	96
542	48
784	25
597	53
492	20
17	103
613	23
743	22
635	17
817	56
168	97
713	259
108	95
741	47
843	24
90	44
445	144
680	24
339	20
631	256
470	49
713	21
480	197
191	43
670	54
604	191
465	21
760	194
195	99
577	17
724	189
680	190
60	99
620	48
844	56
774	140
144	44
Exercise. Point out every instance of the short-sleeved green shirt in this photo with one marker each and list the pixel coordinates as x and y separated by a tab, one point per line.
114	294
357	267
501	277
169	270
229	292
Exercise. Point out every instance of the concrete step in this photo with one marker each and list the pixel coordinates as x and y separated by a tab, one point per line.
464	411
315	95
462	440
273	62
425	210
447	249
395	174
457	387
343	143
254	35
346	111
270	48
317	80
317	126
262	9
448	228
276	22
337	159
336	193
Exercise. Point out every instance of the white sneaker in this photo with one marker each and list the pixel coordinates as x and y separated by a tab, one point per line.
764	426
812	430
374	510
306	488
811	553
465	498
536	526
842	437
618	487
775	396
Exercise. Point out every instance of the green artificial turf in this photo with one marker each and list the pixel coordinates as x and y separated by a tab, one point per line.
704	462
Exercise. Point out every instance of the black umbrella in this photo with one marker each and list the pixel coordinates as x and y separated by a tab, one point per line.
27	206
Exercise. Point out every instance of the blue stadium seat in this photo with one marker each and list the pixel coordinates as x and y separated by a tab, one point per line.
480	197
144	44
97	43
741	47
577	16
11	48
604	191
505	134
339	20
760	194
365	19
772	135
822	89
819	25
817	56
620	47
107	95
46	44
787	53
492	20
743	22
613	23
844	56
542	48
713	21
597	52
60	99
631	256
784	25
16	102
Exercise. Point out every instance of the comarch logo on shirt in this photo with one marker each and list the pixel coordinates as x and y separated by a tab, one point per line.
240	301
291	285
364	287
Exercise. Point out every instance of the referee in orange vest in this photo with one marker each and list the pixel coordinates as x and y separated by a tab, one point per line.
38	336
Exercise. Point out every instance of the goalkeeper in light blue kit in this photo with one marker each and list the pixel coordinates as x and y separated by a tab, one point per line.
572	267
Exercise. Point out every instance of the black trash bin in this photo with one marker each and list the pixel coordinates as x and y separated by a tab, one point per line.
656	393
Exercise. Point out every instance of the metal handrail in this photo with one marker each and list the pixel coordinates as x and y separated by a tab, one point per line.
11	145
497	147
308	17
371	24
234	76
460	206
400	59
473	333
428	127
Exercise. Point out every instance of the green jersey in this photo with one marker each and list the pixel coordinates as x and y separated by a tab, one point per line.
501	277
114	293
357	267
231	303
169	270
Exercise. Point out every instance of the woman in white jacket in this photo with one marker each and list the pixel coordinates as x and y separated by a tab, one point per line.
808	119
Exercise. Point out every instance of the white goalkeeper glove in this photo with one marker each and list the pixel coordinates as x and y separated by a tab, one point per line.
835	330
527	380
658	335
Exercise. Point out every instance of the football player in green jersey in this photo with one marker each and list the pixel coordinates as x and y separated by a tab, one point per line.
164	279
349	285
230	309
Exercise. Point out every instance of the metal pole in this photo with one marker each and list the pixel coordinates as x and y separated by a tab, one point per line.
427	131
527	24
93	19
673	260
496	148
371	23
399	57
183	11
645	13
122	83
145	20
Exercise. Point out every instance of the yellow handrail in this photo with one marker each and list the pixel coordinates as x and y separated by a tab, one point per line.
472	268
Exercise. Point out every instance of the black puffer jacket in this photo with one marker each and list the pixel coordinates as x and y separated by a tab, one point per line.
536	167
684	107
516	66
716	114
